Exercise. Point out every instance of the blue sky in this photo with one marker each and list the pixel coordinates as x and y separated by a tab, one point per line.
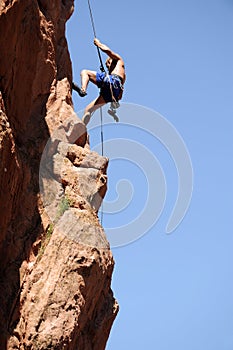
175	291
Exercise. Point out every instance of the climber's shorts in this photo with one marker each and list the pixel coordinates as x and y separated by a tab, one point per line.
109	85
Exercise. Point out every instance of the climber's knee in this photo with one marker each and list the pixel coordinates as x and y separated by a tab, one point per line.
84	72
89	75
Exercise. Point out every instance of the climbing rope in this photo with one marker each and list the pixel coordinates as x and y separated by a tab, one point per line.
102	69
94	32
101	129
102	153
114	104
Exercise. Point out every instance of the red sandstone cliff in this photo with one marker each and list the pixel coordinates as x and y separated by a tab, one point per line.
55	262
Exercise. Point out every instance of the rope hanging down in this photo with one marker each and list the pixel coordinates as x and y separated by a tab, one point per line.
103	70
102	134
102	153
94	32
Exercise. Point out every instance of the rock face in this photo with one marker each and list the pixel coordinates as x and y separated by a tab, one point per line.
55	261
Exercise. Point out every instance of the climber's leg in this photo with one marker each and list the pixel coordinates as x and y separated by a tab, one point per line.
91	108
78	89
86	76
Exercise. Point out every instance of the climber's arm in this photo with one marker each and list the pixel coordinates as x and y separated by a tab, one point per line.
107	50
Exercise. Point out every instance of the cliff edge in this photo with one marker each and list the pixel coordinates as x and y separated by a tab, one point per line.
55	261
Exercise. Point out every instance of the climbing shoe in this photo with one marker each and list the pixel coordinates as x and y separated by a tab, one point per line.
80	91
86	118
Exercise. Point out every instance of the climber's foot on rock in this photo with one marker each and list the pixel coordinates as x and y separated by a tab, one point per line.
79	90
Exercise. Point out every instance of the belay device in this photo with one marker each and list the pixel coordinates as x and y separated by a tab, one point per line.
112	110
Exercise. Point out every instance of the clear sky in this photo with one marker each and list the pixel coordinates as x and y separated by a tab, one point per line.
175	290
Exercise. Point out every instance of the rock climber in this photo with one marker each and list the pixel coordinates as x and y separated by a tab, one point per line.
110	84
